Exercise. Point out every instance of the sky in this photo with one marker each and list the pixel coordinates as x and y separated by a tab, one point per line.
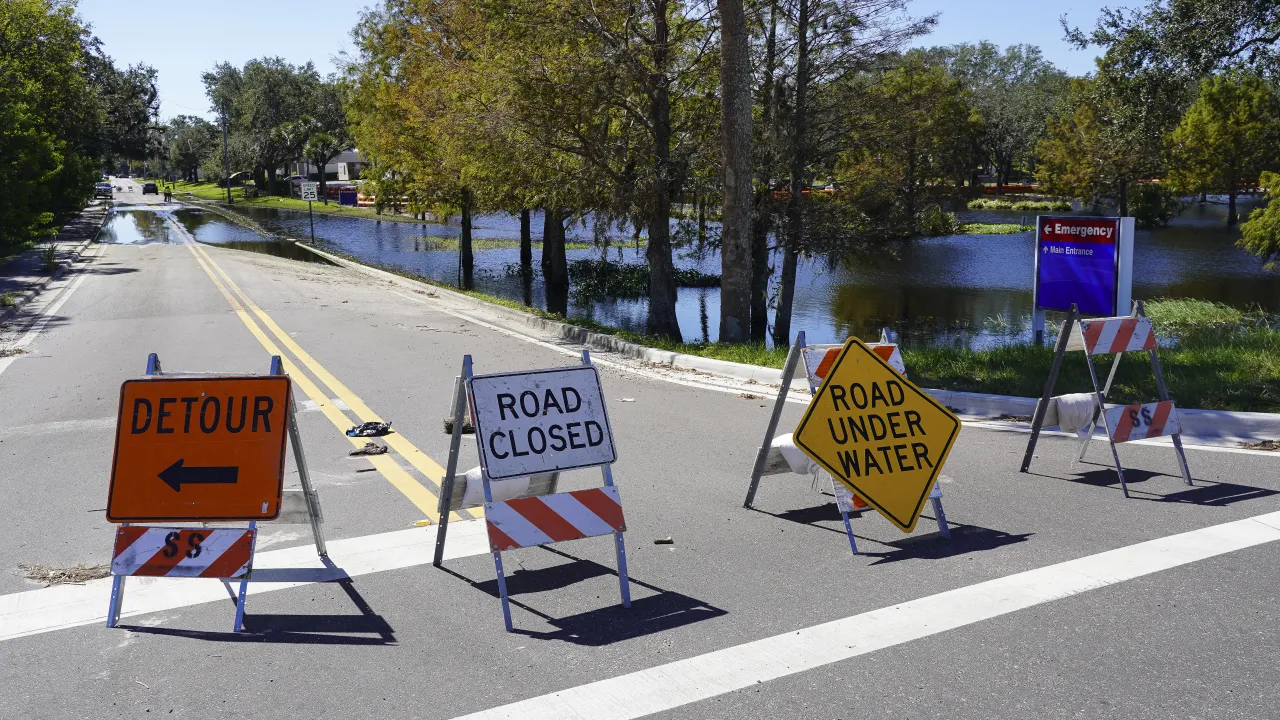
183	38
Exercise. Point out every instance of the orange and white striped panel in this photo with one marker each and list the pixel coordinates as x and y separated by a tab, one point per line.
182	552
1105	336
526	522
818	360
1136	422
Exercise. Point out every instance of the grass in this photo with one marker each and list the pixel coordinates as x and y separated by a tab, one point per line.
995	228
8	299
49	257
452	244
1015	203
211	192
604	279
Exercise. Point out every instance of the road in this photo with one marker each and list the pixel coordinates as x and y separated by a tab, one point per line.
1056	596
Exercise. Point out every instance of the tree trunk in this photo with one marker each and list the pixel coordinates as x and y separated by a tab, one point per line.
763	220
736	255
464	245
1124	198
662	281
324	192
799	161
526	244
271	181
1232	217
555	267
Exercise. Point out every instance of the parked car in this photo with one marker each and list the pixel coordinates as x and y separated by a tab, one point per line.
103	190
150	189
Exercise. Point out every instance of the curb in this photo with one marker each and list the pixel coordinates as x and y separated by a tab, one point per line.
31	293
1213	427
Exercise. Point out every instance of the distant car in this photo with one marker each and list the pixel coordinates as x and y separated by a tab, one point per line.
150	189
102	190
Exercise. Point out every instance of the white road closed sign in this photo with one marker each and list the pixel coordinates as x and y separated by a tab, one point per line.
541	421
310	191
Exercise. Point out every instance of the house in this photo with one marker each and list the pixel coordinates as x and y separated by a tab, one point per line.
345	166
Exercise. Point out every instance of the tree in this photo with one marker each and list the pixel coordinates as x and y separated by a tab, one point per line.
190	140
1260	234
735	129
1227	137
325	129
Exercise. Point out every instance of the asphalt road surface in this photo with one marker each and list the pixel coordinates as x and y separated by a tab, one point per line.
1056	597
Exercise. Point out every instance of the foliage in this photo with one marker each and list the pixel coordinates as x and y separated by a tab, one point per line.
1260	234
190	140
995	228
1154	205
1227	137
935	221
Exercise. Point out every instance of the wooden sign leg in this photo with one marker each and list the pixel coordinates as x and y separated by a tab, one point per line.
1043	406
1164	396
624	583
300	460
1102	410
451	467
935	497
788	369
244	581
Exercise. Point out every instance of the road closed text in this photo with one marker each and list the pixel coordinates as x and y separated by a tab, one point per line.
873	434
557	434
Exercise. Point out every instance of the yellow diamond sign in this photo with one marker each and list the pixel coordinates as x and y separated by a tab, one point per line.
877	433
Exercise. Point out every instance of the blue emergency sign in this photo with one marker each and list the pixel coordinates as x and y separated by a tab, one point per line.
1077	262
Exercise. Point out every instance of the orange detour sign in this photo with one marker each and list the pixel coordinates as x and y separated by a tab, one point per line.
209	448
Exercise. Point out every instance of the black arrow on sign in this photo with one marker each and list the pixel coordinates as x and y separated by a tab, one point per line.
175	476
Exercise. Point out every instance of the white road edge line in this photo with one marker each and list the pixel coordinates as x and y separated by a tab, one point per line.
38	326
701	677
66	606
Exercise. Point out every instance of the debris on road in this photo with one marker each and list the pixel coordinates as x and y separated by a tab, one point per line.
74	575
370	429
370	448
467	427
748	396
664	541
1268	445
627	400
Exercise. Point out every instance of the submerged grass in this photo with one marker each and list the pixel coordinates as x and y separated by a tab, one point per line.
211	192
995	228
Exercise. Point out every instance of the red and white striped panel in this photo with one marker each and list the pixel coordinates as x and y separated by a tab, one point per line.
1105	336
526	522
182	552
1136	422
818	361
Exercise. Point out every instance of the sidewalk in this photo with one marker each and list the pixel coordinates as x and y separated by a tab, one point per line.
23	277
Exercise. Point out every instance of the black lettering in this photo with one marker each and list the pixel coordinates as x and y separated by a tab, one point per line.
558	443
493	447
244	413
542	438
571	407
511	435
894	425
921	451
1146	416
843	437
551	402
854	389
162	414
838	398
139	403
194	541
877	395
913	422
262	406
507	401
170	544
599	435
573	436
208	427
899	451
186	423
524	407
849	461
879	430
884	451
869	461
859	427
896	395
1133	418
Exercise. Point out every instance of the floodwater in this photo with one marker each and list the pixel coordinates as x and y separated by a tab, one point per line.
142	224
965	289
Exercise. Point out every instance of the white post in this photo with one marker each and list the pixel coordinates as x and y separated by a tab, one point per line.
1124	280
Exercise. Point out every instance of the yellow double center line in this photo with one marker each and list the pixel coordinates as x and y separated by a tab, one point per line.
420	496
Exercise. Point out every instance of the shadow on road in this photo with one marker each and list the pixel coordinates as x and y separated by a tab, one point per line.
1205	492
662	611
367	628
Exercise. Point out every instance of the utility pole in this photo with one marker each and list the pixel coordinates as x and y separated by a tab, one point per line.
226	159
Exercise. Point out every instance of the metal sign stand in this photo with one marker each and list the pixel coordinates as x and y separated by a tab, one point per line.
460	404
1100	393
794	358
308	492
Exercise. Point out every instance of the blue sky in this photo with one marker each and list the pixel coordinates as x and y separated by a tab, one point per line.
182	38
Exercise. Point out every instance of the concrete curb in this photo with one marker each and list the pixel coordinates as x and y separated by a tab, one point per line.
1214	427
26	296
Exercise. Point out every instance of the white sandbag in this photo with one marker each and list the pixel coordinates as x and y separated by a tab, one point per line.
501	489
795	457
1075	412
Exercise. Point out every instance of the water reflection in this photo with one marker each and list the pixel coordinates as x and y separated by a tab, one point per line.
964	289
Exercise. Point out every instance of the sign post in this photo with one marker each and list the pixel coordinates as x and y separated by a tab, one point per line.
530	424
879	434
200	448
1082	261
310	194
